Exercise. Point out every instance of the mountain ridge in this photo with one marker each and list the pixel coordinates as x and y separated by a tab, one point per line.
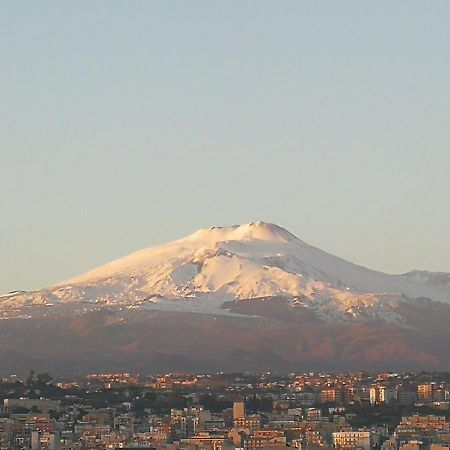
254	293
216	265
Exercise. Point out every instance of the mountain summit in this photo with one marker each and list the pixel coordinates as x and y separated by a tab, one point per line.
253	272
228	264
254	230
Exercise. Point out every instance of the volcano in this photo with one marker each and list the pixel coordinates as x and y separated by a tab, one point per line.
244	297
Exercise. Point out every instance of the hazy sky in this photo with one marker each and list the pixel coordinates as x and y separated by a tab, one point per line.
128	124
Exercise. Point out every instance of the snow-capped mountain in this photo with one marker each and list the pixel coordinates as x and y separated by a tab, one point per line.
248	297
213	268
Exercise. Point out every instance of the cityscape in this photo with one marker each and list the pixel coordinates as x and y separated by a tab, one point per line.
249	411
224	225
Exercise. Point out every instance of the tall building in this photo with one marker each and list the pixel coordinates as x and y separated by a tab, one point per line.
331	395
351	440
421	427
249	422
54	442
35	440
389	394
382	394
374	395
432	392
238	409
425	392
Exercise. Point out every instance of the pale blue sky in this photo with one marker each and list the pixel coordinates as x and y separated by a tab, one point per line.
128	124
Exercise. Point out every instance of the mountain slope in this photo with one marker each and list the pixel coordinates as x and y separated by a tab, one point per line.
254	293
255	260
